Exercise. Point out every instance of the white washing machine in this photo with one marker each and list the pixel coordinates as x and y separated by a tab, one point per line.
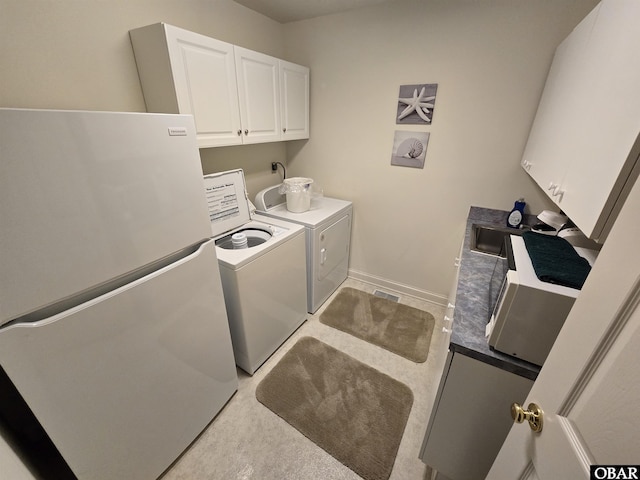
263	283
327	236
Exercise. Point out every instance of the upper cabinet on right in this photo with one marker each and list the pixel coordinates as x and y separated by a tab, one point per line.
584	144
236	96
294	100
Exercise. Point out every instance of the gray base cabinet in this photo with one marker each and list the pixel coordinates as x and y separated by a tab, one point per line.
470	417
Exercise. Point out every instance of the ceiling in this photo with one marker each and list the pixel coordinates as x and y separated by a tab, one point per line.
284	11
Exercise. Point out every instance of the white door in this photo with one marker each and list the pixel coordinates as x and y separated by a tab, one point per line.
258	95
590	383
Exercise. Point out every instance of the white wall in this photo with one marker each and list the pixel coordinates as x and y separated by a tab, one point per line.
489	58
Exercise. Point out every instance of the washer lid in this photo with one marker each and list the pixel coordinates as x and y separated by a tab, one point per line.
226	194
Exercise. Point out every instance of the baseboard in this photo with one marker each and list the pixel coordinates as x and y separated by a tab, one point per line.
398	287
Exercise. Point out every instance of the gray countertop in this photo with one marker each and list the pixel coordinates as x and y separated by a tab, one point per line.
471	312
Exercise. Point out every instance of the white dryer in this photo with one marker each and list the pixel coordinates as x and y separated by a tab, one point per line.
327	236
263	281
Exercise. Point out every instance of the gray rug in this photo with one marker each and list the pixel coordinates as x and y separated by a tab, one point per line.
401	329
352	411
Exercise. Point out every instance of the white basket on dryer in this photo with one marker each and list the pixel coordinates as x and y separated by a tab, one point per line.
298	192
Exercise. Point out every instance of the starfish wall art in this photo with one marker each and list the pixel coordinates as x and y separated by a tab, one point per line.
416	104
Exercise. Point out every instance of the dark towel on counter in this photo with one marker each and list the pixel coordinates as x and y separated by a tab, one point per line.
555	260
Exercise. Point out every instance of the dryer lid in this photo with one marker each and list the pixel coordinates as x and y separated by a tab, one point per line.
227	200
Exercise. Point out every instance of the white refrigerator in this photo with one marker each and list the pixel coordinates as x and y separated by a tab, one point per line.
113	329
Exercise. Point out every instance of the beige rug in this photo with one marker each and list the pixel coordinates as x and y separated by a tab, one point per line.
352	411
393	326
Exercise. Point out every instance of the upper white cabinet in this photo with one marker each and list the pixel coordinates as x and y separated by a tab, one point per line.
259	95
294	100
235	95
584	143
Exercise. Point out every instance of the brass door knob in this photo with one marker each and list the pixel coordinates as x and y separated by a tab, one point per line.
533	415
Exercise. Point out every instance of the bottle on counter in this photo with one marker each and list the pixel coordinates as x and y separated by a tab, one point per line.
514	220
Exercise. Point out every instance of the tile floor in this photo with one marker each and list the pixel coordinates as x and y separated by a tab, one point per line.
248	441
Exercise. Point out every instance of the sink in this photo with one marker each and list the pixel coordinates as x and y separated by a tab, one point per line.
490	240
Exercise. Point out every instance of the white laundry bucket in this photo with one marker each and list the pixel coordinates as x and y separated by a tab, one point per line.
298	192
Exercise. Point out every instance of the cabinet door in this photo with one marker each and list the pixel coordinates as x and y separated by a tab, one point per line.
468	419
259	96
205	83
294	100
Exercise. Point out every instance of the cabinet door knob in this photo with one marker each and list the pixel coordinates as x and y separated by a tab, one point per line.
284	130
533	415
246	132
239	132
446	330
